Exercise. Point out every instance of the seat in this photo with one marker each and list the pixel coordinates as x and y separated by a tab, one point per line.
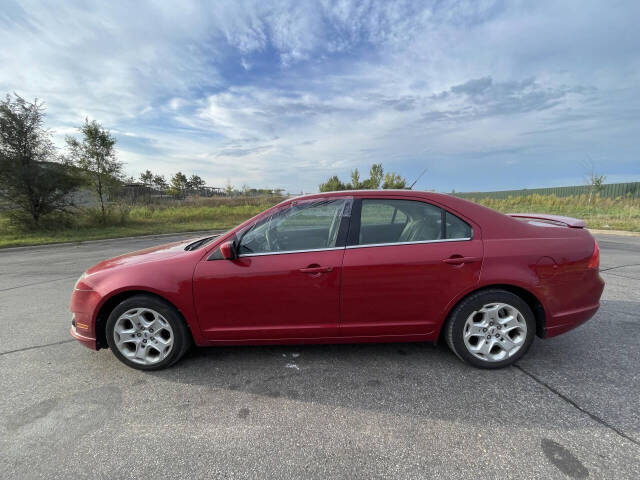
420	230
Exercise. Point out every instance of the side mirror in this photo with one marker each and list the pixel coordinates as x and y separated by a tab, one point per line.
227	251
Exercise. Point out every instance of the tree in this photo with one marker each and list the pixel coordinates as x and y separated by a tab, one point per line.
95	155
178	185
375	176
597	182
147	179
228	188
594	180
159	182
393	180
195	182
332	185
33	179
355	179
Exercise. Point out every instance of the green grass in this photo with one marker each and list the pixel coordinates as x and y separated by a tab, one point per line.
622	213
222	213
123	221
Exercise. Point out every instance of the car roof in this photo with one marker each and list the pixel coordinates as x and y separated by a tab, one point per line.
418	194
365	193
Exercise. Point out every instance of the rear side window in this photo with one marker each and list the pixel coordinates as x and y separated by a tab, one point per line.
456	227
384	221
399	221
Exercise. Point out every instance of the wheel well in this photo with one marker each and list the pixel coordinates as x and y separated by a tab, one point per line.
534	304
113	302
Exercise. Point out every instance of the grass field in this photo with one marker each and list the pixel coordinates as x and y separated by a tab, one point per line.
622	213
123	221
222	213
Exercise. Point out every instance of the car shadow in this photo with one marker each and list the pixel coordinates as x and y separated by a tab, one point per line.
419	379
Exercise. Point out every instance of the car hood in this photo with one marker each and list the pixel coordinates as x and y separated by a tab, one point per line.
153	254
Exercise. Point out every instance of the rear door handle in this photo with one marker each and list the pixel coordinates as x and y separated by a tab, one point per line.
316	269
459	260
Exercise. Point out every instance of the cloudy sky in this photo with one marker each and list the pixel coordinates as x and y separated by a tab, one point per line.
484	94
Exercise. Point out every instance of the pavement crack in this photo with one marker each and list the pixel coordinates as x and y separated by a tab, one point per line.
574	404
38	283
621	276
620	266
37	346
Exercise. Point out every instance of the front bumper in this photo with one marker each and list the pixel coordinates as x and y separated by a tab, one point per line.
84	305
86	341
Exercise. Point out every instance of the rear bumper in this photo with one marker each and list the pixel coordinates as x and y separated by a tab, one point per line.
569	320
586	302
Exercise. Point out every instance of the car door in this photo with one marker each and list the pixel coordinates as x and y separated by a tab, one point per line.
400	282
285	280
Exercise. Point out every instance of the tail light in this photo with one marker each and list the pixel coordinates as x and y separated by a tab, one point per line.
595	257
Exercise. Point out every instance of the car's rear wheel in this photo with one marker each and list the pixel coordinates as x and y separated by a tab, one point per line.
490	329
147	333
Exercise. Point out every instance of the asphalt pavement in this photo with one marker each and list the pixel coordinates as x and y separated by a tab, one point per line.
569	409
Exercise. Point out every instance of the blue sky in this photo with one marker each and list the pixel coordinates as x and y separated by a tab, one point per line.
484	94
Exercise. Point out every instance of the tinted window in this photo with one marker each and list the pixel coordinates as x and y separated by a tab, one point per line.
302	226
457	228
413	221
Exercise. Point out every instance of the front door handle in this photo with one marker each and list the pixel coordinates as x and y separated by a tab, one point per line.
316	269
459	260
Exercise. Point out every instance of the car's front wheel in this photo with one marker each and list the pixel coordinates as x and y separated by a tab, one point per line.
490	329
147	333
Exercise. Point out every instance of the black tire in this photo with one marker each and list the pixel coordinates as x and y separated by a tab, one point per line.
182	339
454	328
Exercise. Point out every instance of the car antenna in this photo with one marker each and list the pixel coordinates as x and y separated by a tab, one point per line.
416	180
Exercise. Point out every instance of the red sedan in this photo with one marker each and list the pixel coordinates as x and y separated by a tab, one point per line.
359	266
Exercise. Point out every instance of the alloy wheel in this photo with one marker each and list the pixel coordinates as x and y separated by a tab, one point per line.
494	332
143	336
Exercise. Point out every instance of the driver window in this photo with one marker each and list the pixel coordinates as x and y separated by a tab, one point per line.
301	226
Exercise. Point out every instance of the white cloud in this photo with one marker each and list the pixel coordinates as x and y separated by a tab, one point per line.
285	93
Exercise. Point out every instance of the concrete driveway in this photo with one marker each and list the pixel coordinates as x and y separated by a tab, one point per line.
569	409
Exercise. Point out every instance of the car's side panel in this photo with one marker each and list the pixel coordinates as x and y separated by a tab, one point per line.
403	289
168	277
554	269
269	296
